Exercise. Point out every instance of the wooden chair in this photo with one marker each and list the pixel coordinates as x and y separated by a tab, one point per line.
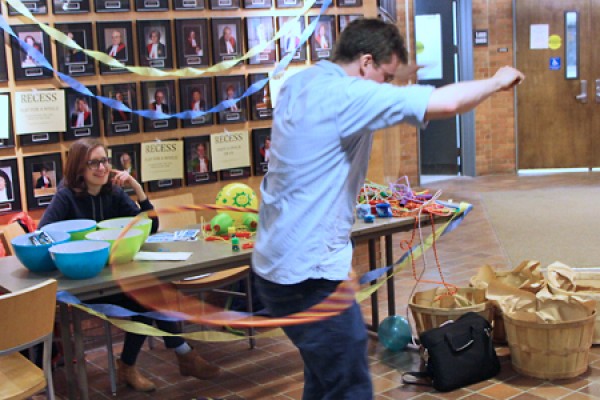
27	319
8	233
213	282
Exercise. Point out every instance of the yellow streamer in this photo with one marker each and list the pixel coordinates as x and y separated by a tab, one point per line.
149	71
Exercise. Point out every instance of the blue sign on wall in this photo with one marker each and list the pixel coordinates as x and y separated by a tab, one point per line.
554	63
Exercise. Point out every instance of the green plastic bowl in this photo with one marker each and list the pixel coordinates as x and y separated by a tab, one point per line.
144	224
128	246
78	228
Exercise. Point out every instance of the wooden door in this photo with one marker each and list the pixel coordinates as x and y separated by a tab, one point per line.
555	129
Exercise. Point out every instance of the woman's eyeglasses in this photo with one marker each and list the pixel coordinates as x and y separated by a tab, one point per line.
95	163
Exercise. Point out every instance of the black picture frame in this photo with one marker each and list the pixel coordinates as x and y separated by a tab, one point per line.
70	7
116	39
261	141
290	3
197	95
319	4
155	47
224	4
345	19
118	122
323	38
10	194
183	5
40	197
387	9
192	42
10	140
232	86
75	62
3	65
83	119
290	41
349	3
24	68
163	93
261	107
258	4
151	5
260	30
233	174
111	6
221	50
164	184
196	171
126	157
36	7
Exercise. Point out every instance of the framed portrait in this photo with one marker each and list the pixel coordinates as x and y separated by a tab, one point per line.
323	38
196	95
42	174
227	38
3	68
344	20
233	174
198	166
155	46
126	157
159	96
82	115
7	138
290	41
181	5
151	5
164	184
261	150
116	40
349	3
24	66
260	31
112	5
258	3
34	6
70	6
75	62
10	192
119	122
289	3
229	88
192	42
224	4
261	107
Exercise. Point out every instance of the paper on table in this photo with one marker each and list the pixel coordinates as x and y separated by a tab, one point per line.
162	255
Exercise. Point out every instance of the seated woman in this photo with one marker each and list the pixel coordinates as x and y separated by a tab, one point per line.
88	192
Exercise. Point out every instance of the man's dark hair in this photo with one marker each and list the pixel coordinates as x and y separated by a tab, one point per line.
370	36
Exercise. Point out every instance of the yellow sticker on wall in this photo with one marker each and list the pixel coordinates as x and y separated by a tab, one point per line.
554	42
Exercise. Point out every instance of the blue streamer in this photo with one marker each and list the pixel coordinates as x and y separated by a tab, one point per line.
189	114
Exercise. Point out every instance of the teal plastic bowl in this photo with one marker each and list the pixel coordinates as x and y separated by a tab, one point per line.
78	228
36	257
81	259
144	224
128	246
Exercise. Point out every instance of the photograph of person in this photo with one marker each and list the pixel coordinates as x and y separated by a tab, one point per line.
125	158
73	56
227	39
118	116
159	102
259	31
260	102
159	96
117	43
116	121
198	167
44	178
265	149
196	95
24	65
231	94
81	115
71	61
289	3
261	150
155	47
70	6
344	20
290	41
125	163
323	38
33	39
193	42
116	40
155	43
230	89
6	185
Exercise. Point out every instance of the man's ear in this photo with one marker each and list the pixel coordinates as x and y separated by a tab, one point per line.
364	61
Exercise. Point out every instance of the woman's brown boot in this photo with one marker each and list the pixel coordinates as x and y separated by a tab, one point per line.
191	364
130	375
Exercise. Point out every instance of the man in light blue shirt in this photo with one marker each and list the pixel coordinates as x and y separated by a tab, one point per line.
321	140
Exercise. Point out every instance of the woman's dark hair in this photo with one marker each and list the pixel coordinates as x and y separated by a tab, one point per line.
79	153
370	36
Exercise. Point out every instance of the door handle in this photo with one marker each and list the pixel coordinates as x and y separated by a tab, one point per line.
582	97
597	90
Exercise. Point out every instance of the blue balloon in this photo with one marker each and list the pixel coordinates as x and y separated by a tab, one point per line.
394	333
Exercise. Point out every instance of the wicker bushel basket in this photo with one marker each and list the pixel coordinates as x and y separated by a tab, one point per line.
427	316
557	350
